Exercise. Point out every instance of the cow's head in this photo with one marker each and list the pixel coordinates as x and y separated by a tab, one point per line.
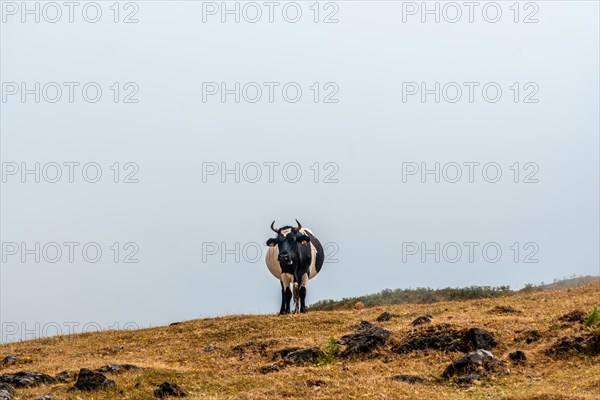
288	241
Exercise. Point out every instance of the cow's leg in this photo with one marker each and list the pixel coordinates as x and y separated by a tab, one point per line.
282	309
286	292
296	298
302	293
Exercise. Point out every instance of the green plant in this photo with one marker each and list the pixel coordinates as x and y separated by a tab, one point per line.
593	317
329	350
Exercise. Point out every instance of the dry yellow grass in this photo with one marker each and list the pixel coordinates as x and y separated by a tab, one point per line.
177	353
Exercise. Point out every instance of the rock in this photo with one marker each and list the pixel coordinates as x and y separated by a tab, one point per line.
385	316
6	391
466	379
532	336
282	353
408	378
9	359
268	368
310	354
517	356
174	323
437	337
359	305
9	388
480	362
588	344
472	362
169	389
423	319
478	339
45	397
209	348
62	376
505	310
91	380
5	395
118	368
573	316
26	379
365	338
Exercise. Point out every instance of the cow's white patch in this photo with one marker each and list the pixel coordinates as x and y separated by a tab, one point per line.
287	279
304	280
272	262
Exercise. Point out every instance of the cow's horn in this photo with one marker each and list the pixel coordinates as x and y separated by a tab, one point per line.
276	230
299	225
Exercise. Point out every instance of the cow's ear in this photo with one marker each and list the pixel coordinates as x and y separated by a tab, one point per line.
302	239
271	242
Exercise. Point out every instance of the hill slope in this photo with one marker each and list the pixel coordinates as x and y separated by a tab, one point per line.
220	357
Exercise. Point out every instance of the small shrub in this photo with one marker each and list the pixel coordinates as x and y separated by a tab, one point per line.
593	317
329	352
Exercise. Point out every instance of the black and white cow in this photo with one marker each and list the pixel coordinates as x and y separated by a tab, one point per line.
294	257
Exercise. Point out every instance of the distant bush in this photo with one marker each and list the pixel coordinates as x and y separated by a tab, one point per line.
429	295
418	295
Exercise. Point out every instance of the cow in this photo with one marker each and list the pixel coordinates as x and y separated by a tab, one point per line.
294	256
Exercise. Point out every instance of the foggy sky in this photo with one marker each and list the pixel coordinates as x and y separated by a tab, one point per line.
182	217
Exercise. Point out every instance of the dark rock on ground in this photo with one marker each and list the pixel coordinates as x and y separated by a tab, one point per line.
365	338
568	345
268	368
63	376
466	379
408	378
174	323
472	362
446	338
45	397
169	389
505	310
118	368
437	337
573	316
281	353
91	380
308	355
26	379
479	339
385	316
517	356
7	387
480	362
588	344
423	319
9	359
315	383
532	336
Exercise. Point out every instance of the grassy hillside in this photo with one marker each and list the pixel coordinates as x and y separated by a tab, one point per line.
220	358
